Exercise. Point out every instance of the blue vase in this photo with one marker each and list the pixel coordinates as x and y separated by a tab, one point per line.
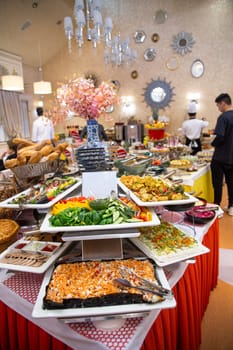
92	133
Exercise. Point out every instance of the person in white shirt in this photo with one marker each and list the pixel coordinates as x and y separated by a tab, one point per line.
42	128
192	129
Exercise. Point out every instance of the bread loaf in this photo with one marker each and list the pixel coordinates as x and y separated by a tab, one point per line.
61	147
35	157
18	140
46	150
53	156
11	163
26	149
22	160
41	144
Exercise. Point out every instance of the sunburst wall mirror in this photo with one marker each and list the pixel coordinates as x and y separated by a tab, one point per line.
158	94
182	43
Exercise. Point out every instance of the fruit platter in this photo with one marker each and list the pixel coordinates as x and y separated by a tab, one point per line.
84	213
152	191
44	194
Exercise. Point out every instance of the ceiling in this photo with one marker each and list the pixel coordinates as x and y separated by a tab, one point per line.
34	33
37	33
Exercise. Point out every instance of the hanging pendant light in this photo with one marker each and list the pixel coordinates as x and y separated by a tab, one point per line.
41	87
13	82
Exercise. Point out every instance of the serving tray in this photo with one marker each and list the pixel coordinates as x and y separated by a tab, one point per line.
175	256
138	201
40	312
8	202
59	248
47	227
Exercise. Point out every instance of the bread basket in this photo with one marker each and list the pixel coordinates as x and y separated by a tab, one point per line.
37	169
29	174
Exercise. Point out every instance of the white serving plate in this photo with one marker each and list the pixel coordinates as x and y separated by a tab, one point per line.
39	312
40	269
6	203
46	227
174	257
100	234
138	201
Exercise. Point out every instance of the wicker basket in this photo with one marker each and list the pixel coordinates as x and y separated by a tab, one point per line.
7	190
37	169
8	228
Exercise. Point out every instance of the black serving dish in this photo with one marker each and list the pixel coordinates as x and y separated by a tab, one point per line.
199	216
179	207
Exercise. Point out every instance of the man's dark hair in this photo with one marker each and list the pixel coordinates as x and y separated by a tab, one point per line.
223	98
192	115
39	111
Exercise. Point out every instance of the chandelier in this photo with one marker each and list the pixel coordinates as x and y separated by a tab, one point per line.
89	16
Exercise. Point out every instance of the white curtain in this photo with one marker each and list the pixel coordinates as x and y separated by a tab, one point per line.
10	113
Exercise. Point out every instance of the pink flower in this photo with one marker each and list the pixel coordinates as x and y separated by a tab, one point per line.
83	98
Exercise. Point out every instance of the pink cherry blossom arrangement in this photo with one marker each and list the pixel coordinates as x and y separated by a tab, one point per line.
84	99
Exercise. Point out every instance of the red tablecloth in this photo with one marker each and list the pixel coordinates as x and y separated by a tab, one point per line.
178	328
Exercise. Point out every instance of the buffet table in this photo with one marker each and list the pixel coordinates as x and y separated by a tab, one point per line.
177	328
198	181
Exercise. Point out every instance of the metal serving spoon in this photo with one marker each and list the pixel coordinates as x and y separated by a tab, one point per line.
126	283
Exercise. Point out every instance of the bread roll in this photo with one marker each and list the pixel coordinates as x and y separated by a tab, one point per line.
19	140
35	157
22	160
26	149
46	150
41	144
53	156
11	163
61	147
27	152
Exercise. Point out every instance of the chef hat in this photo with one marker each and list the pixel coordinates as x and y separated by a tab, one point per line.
192	107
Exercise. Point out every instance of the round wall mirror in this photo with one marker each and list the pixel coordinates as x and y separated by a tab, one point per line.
197	68
158	94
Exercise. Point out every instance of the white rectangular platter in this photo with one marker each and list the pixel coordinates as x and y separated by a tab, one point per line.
26	268
47	227
138	201
7	203
39	312
100	234
173	257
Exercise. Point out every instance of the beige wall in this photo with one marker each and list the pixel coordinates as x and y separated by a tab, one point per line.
210	23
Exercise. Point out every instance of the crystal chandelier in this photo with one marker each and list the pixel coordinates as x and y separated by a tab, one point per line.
89	15
119	52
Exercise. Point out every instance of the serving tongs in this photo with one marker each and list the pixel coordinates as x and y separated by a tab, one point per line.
145	284
123	282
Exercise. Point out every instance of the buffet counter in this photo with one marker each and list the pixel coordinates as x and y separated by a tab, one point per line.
198	181
170	329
